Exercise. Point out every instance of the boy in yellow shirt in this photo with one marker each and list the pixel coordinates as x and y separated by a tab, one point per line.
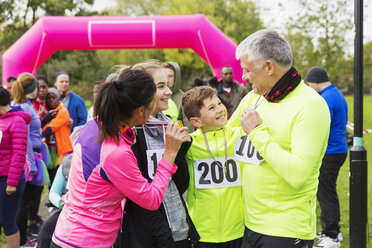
214	197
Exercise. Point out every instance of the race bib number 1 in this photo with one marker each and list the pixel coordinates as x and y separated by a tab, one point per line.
1	136
246	152
153	158
211	174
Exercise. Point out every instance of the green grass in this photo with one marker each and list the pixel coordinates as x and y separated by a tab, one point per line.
343	180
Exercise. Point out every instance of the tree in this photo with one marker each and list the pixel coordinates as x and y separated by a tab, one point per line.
16	17
319	36
236	18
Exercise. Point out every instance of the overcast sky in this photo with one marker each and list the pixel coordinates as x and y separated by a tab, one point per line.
273	16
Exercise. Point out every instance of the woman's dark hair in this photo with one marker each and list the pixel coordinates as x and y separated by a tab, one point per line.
4	97
43	78
117	100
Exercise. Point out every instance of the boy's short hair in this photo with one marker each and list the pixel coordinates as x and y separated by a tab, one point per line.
193	100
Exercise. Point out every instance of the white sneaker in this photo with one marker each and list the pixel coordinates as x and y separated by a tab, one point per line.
321	235
327	242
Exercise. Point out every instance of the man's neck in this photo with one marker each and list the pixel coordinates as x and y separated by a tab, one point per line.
324	85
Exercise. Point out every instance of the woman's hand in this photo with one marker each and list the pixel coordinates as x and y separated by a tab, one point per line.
173	138
185	134
10	190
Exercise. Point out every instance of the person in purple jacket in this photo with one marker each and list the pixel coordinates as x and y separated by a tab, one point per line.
24	90
13	147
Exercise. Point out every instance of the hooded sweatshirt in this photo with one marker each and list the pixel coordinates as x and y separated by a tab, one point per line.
177	95
13	144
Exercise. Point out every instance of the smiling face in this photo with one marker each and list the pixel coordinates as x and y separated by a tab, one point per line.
256	75
213	114
62	83
163	93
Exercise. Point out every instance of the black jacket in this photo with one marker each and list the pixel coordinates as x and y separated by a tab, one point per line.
142	228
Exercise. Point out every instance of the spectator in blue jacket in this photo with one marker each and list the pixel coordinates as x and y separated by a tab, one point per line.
334	157
73	102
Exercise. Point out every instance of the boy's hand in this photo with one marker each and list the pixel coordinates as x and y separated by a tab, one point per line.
173	140
10	190
250	120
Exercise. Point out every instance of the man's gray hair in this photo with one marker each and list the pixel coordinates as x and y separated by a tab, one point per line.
266	44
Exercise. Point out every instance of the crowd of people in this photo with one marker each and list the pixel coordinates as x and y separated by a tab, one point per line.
152	166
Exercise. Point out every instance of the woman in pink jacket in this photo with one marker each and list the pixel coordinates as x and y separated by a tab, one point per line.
13	148
104	170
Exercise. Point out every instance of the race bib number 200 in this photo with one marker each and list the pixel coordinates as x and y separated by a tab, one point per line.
211	174
246	152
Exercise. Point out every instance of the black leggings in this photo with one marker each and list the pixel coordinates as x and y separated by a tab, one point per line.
30	194
44	238
53	245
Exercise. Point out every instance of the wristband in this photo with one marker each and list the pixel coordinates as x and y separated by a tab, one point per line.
60	204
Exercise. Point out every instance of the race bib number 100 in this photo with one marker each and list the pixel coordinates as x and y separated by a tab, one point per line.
246	152
211	174
153	158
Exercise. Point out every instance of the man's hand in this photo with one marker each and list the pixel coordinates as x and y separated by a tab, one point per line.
10	190
250	120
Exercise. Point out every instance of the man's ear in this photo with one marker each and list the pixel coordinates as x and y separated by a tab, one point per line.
196	122
270	67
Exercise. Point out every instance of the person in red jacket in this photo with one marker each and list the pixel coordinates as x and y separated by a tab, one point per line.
13	148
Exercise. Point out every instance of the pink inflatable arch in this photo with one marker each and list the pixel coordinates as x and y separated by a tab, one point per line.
52	33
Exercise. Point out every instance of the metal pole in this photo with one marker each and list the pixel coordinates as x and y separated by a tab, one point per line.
358	153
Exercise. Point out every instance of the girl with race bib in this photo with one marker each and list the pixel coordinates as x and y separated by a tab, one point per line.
104	170
170	225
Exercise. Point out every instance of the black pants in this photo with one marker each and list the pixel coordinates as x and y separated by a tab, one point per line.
252	239
46	231
35	203
236	243
327	193
53	245
30	194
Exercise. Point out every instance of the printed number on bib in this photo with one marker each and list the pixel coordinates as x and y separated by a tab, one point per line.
1	136
153	158
246	152
211	174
